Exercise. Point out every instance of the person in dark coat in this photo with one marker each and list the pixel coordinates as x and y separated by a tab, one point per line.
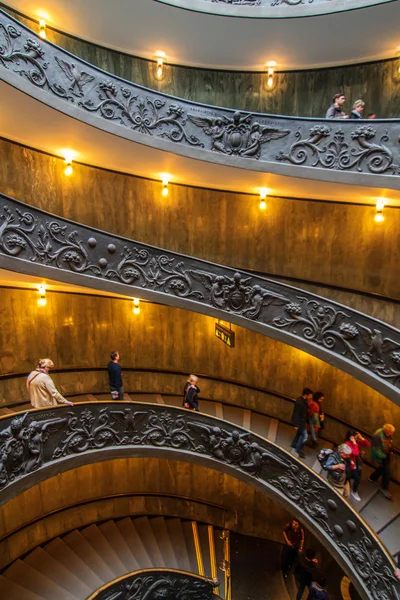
299	421
115	377
190	393
357	112
317	591
306	571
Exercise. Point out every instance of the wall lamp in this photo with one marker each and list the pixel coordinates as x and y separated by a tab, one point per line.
42	29
68	157
263	198
160	57
271	70
42	300
165	182
136	306
380	205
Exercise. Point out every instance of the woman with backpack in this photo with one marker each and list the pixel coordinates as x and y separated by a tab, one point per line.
337	463
354	441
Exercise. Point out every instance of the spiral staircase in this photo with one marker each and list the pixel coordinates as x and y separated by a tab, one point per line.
73	566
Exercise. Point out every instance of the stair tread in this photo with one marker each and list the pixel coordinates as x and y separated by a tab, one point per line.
100	544
167	548
78	544
57	572
59	550
188	534
118	543
132	538
380	511
145	531
6	411
260	424
233	414
10	590
37	582
175	530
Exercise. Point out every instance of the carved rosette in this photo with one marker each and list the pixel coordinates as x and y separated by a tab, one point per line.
147	116
38	238
33	441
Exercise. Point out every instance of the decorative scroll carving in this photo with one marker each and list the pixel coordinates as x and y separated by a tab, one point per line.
34	440
348	336
156	585
332	151
74	87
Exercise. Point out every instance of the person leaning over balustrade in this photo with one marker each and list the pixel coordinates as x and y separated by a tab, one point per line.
381	452
41	389
357	112
335	110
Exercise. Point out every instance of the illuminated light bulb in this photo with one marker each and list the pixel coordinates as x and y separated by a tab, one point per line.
263	196
380	205
136	302
68	169
271	70
136	310
42	300
42	29
68	158
165	181
165	191
160	64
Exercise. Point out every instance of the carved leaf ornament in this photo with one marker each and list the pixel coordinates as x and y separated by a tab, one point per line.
31	441
366	149
31	235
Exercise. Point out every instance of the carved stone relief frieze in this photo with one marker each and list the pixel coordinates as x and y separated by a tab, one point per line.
58	77
345	336
33	441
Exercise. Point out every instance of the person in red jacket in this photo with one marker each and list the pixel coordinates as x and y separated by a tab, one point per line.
314	410
355	441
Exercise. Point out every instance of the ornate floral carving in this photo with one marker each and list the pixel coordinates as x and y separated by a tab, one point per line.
38	238
368	563
27	60
158	585
144	114
337	153
33	441
238	135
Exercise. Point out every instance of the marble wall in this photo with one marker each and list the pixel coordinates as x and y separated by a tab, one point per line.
326	242
80	331
300	93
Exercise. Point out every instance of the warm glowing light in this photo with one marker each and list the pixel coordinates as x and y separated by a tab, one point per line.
165	191
136	302
68	169
263	193
136	310
160	56
42	29
68	158
165	181
263	205
271	70
42	300
380	205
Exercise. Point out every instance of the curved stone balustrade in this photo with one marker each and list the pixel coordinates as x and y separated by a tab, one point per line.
152	584
272	9
35	242
38	444
338	150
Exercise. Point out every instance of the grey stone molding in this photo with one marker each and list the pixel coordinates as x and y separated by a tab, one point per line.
37	243
154	584
272	9
39	444
344	151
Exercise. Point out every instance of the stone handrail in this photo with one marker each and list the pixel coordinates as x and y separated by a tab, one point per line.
272	9
344	151
35	242
40	444
152	584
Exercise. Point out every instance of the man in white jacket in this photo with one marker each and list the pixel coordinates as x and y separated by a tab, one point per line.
41	389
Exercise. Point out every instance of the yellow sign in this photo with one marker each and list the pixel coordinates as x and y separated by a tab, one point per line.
225	335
